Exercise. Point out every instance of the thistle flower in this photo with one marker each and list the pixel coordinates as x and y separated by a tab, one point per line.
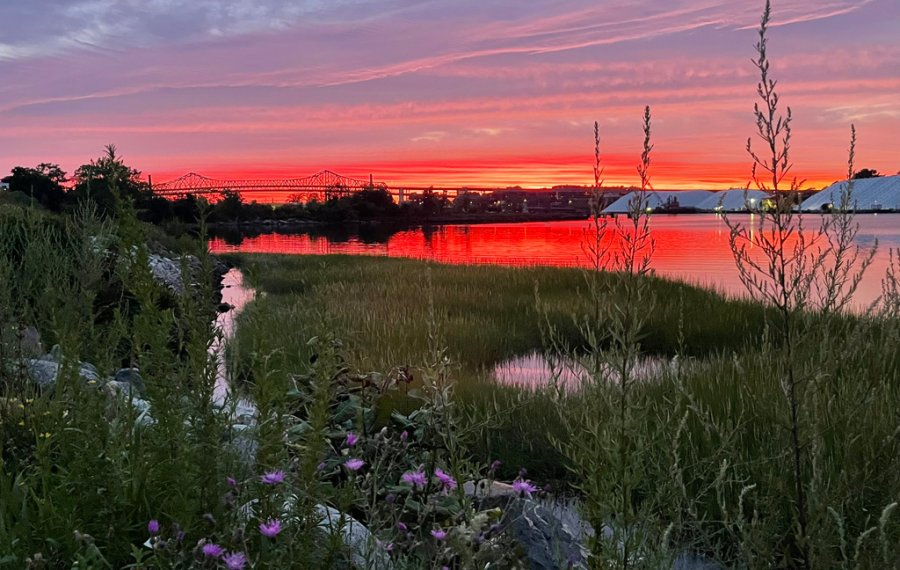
415	478
354	464
232	482
439	534
272	477
235	561
402	526
270	528
404	436
448	482
523	488
212	550
351	440
153	527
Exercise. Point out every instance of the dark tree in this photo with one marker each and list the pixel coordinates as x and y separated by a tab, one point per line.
186	209
229	208
44	183
866	173
110	183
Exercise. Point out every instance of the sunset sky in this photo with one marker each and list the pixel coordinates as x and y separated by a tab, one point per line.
444	92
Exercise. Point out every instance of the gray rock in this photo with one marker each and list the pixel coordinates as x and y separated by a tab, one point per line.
86	368
45	373
121	394
167	272
115	389
689	561
143	409
55	354
242	441
551	535
487	488
131	377
364	548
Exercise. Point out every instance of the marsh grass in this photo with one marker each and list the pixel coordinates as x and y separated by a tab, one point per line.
715	407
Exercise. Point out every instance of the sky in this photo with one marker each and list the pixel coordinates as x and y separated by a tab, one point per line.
444	92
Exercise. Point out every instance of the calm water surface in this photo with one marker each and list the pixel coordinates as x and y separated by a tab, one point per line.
693	248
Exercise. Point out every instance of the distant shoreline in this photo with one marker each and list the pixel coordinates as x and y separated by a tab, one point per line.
446	219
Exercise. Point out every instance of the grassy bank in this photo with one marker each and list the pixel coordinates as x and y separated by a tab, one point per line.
484	314
707	437
386	310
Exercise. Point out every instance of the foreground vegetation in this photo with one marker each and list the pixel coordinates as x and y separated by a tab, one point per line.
708	432
362	405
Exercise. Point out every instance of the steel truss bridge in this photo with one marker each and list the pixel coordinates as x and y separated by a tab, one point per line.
321	186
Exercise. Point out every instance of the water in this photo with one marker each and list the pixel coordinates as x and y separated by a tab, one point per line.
692	248
237	295
534	371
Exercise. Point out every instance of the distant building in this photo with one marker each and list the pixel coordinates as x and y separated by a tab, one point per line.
734	200
868	195
662	201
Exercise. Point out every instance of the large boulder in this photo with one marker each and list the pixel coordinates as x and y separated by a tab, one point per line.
364	548
129	379
167	272
45	373
551	533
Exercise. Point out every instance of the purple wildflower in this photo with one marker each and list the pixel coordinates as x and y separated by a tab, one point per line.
232	482
496	465
270	528
523	488
235	561
212	550
439	534
351	440
389	547
272	477
153	526
415	478
404	436
354	464
448	482
401	526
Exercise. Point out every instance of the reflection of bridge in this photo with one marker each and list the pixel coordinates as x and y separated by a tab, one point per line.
321	186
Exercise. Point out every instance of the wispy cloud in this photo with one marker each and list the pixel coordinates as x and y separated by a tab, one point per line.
430	136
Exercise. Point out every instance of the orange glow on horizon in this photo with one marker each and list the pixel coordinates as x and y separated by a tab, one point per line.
529	172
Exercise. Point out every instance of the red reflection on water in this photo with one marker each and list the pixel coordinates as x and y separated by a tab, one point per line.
692	248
